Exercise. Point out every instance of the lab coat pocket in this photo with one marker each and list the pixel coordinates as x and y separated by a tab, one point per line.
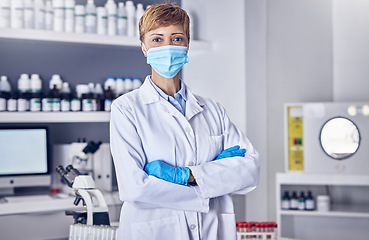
216	144
226	227
163	228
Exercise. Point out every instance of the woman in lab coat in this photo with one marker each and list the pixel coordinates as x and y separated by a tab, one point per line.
177	155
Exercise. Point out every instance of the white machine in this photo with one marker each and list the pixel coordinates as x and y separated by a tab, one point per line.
327	137
88	158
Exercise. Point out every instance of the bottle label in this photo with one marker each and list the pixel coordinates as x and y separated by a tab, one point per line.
301	205
2	104
12	105
47	104
75	105
22	105
294	204
65	105
35	105
55	105
310	205
86	105
285	204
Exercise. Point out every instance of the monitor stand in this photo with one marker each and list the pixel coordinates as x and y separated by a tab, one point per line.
7	191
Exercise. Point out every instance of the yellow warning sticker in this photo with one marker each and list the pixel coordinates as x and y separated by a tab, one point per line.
295	139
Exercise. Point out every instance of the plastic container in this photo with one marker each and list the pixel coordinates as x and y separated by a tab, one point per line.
65	98
28	13
39	14
128	84
36	86
122	20
5	13
16	14
136	83
79	19
323	203
69	15
101	20
139	12
131	23
90	18
111	9
49	16
4	92
120	87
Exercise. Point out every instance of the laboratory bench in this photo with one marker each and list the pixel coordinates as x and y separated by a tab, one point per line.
43	217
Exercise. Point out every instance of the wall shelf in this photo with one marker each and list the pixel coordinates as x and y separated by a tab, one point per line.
84	38
54	117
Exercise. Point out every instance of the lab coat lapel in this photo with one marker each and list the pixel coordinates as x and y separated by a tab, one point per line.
193	105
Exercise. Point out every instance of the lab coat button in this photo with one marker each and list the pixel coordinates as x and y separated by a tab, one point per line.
191	164
193	227
188	130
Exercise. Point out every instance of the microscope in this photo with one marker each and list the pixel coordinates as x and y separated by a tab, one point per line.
84	187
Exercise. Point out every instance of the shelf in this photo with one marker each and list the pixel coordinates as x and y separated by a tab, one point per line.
84	38
54	117
334	213
322	179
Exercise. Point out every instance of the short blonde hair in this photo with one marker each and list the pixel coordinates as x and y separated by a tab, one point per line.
163	15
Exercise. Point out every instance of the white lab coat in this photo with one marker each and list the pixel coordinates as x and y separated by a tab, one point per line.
144	127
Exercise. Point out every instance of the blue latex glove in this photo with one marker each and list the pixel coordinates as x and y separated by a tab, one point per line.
163	170
234	151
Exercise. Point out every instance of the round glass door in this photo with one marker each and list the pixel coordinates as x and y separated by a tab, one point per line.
340	138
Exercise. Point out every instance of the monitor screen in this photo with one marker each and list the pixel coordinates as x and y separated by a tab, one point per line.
23	151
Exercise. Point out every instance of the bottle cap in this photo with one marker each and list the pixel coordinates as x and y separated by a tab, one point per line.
110	82
56	80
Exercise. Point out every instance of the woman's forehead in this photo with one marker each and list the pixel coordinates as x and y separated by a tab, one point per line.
167	29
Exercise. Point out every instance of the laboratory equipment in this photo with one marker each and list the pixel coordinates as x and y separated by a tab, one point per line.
97	212
327	137
88	158
24	160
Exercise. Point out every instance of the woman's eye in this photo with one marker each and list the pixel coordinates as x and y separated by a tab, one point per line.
156	40
178	39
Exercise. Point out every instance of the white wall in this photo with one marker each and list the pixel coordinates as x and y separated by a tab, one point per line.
351	51
299	67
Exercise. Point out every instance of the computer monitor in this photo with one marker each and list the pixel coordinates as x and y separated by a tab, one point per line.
24	157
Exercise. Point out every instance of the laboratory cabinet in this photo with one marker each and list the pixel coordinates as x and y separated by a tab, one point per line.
348	217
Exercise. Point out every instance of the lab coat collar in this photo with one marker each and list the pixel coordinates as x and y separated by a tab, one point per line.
149	95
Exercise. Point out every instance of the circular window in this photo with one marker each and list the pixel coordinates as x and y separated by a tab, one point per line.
339	138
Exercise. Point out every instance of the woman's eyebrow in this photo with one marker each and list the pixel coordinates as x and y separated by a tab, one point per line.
156	34
177	33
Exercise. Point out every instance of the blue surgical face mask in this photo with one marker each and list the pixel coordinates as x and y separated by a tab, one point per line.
167	60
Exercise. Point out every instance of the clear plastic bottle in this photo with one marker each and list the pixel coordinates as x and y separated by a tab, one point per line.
101	20
139	12
39	14
111	8
65	98
5	10
28	14
36	86
49	16
79	19
119	87
69	15
136	83
90	18
16	14
92	96
131	23
122	20
128	84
